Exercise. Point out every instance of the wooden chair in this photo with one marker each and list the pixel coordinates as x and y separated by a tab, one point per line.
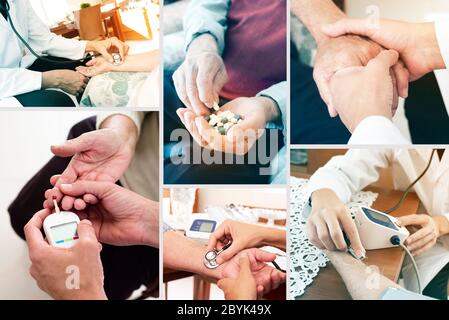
90	23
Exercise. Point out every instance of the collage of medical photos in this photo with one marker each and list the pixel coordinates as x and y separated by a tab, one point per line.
224	150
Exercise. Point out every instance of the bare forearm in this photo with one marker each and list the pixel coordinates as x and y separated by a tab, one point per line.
181	253
361	284
143	62
316	13
275	238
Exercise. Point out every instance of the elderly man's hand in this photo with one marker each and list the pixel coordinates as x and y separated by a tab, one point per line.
201	76
101	155
335	54
52	268
256	112
361	92
68	81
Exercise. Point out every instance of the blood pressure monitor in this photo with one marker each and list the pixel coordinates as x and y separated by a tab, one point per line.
61	229
201	227
376	229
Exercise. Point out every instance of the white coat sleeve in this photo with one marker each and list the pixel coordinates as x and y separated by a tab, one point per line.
350	173
15	81
44	42
377	130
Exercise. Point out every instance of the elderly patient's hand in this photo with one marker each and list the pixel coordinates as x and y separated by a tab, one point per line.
101	155
94	67
69	81
119	216
201	76
360	92
336	54
57	270
267	278
256	112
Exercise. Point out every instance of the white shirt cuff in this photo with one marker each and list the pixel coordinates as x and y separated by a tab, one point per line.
377	130
442	33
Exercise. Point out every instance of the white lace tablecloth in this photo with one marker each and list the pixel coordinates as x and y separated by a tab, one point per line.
305	259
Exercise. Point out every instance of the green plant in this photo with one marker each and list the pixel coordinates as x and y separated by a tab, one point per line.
85	5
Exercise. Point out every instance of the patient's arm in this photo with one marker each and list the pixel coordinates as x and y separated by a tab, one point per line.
361	282
143	62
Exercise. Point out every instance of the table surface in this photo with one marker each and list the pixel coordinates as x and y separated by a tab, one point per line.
328	285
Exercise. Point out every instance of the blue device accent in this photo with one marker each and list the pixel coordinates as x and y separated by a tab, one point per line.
203	225
378	218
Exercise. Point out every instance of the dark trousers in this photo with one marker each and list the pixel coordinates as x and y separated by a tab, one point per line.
125	268
49	98
437	288
310	122
201	173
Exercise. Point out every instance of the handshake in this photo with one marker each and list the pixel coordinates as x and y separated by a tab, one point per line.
362	67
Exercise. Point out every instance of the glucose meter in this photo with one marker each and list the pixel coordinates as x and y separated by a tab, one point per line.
61	228
201	228
377	229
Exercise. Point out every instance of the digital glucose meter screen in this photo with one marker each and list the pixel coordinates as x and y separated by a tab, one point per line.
65	232
207	227
379	218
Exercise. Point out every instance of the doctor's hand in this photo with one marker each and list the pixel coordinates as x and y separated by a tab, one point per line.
74	273
328	220
119	216
256	112
267	278
243	236
426	233
335	54
416	42
244	287
362	92
107	47
101	155
68	81
201	76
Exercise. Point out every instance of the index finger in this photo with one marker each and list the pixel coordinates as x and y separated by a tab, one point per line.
353	234
120	46
32	229
245	267
413	219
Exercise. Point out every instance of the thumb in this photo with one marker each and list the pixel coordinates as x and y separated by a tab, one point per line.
86	231
348	26
384	61
82	187
71	147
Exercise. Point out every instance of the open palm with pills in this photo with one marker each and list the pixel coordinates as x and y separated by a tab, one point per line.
254	113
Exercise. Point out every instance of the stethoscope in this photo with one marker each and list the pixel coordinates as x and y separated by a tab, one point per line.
38	56
210	258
